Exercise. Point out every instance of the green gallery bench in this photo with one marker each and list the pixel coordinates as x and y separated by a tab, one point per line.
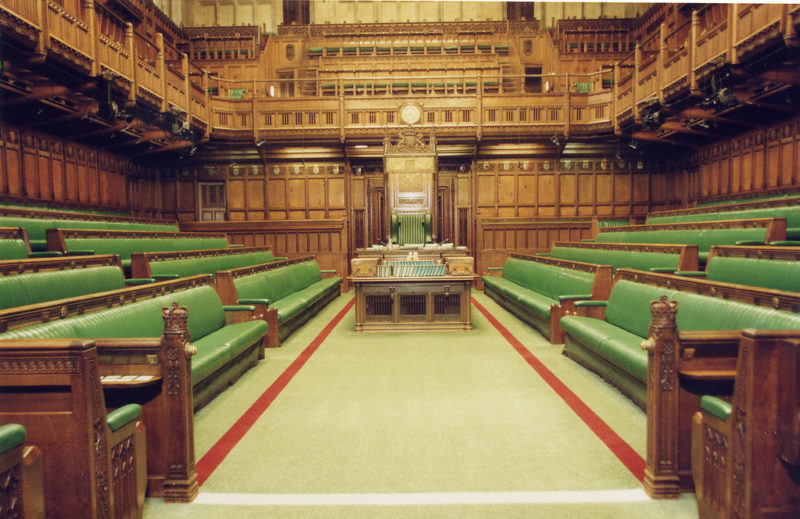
539	290
286	293
14	244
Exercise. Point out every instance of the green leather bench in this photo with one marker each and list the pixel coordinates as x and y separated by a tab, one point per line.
225	349
702	234
611	345
652	257
178	264
27	282
14	244
37	227
534	289
773	210
289	293
125	243
777	268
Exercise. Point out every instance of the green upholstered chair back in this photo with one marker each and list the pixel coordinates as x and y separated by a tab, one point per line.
209	264
618	258
411	228
13	249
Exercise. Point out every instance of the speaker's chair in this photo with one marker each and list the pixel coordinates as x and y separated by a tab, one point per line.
411	228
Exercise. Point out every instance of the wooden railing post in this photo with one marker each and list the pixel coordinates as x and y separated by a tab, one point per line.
693	54
733	33
130	45
662	57
94	40
44	35
180	481
661	479
161	67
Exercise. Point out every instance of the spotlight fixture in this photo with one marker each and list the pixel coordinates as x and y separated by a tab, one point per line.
555	140
260	143
633	144
462	168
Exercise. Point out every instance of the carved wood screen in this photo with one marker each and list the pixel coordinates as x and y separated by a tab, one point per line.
410	167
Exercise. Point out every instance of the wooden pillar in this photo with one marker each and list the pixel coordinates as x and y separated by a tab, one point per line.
131	47
693	88
661	479
161	67
94	41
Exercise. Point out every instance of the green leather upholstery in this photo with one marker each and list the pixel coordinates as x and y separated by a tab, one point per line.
296	291
13	249
207	265
616	340
11	435
716	407
411	228
529	289
217	343
776	274
703	238
119	418
790	212
28	289
125	246
618	258
36	227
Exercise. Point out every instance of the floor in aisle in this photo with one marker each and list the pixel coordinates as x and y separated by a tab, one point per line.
420	425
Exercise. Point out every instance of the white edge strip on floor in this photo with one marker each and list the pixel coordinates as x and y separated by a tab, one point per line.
432	498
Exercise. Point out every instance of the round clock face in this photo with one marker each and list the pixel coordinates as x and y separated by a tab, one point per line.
410	113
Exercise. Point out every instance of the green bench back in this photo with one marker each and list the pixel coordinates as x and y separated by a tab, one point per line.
791	213
629	308
703	238
125	246
618	258
767	273
278	283
13	249
548	280
36	227
140	319
209	264
38	287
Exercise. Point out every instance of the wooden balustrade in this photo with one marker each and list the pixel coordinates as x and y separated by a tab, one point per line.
432	61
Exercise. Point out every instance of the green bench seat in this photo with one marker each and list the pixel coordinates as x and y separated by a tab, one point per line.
611	346
703	238
619	258
124	247
218	345
777	274
294	293
529	289
790	212
37	227
184	267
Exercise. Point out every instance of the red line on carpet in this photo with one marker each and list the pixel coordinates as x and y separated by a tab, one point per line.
217	453
619	447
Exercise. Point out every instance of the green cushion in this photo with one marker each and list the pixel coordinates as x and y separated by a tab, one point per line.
119	418
279	284
125	246
11	435
618	346
716	407
289	306
216	349
617	258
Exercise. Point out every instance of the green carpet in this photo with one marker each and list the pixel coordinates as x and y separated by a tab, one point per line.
423	413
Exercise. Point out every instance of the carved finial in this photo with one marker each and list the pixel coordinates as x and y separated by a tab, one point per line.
663	312
175	320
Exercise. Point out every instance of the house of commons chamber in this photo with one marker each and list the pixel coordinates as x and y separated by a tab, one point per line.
399	259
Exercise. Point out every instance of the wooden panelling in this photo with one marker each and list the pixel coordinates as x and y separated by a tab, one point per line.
326	239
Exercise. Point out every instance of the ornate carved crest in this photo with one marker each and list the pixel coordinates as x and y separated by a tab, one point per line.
410	141
663	312
175	320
